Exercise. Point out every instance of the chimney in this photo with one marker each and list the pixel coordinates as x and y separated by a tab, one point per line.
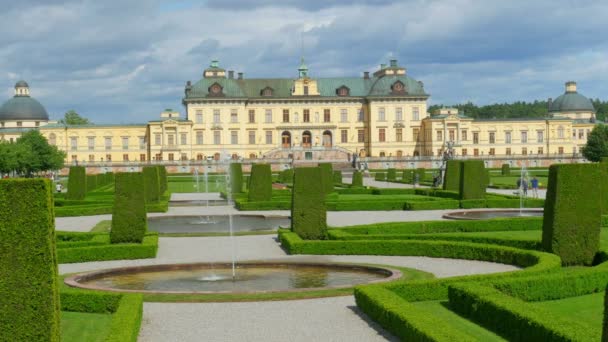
366	75
570	87
240	75
230	73
393	63
382	66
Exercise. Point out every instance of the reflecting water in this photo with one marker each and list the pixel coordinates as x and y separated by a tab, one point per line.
215	223
249	278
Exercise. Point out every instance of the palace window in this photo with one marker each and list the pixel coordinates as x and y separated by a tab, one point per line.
399	134
560	150
398	114
234	137
475	151
125	143
524	151
108	141
91	157
540	137
199	116
216	116
540	150
452	134
581	133
524	137
91	143
381	114
183	138
463	135
285	115
125	157
326	115
305	90
360	115
170	139
415	114
439	136
360	135
382	135
142	143
199	137
109	157
267	91
508	151
142	157
184	156
344	136
217	138
251	137
507	137
343	115
492	137
342	91
306	115
382	154
492	151
464	152
19	124
475	137
171	156
560	132
74	143
268	137
416	133
234	116
251	116
268	116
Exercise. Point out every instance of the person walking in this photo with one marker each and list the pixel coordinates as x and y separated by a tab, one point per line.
534	184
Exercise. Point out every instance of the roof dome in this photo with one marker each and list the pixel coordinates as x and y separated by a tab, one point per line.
571	101
22	106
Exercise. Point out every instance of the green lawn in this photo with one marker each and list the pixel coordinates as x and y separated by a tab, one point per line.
84	327
184	184
587	309
441	312
512	180
385	197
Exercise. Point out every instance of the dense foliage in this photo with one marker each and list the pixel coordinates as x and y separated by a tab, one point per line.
327	174
473	179
77	183
572	218
129	221
505	170
236	178
451	180
308	212
151	184
260	183
73	119
597	144
29	305
30	154
357	179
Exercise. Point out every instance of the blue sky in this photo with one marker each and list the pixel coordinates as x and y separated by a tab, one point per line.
125	61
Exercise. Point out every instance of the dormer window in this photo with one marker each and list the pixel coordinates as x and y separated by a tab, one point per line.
343	91
398	88
215	90
267	91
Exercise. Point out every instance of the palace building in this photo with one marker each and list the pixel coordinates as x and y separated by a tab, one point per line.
378	115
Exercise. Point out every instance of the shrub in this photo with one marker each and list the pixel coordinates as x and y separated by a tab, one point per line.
357	179
308	213
91	182
129	221
337	177
572	218
151	184
77	183
451	180
380	176
391	174
286	176
472	179
605	325
236	178
163	182
106	251
29	305
505	170
421	172
327	177
260	183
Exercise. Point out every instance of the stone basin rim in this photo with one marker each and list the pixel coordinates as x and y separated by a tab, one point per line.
75	280
461	215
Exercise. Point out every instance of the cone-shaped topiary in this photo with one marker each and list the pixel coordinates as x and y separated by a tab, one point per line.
572	218
357	179
151	184
308	212
129	221
260	183
77	183
236	178
29	305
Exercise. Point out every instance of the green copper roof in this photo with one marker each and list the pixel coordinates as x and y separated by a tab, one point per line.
571	102
358	87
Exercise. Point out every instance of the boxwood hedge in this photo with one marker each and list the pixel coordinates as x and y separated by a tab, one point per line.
151	184
327	173
505	170
29	305
129	221
236	178
472	179
260	183
357	179
162	179
77	183
572	216
308	213
451	181
391	174
337	177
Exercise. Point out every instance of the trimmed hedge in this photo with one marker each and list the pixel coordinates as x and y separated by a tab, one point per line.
29	305
327	173
308	213
391	174
236	178
421	172
103	252
91	182
451	181
151	184
380	176
260	183
337	177
505	170
472	179
129	222
605	323
163	181
77	183
357	179
572	216
286	176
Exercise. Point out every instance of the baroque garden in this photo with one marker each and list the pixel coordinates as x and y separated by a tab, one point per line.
307	209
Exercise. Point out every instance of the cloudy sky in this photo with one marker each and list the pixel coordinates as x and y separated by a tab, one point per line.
117	61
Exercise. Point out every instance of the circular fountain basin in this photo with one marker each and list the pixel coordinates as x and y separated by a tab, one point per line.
217	278
490	214
216	223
